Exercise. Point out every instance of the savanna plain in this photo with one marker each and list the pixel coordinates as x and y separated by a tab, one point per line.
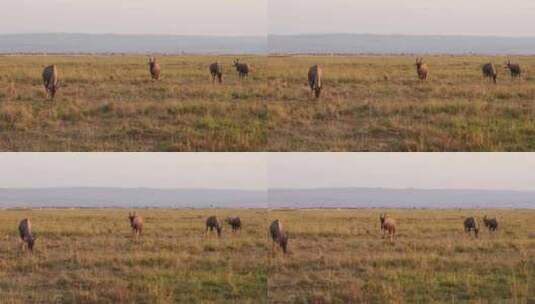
368	103
334	256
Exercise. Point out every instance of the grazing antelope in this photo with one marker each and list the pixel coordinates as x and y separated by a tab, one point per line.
471	224
136	222
234	222
154	68
25	232
314	80
279	236
514	68
388	225
213	223
489	71
421	69
216	70
491	224
51	80
242	68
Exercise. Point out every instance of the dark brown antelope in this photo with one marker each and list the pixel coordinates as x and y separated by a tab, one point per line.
278	236
25	232
489	71
421	68
154	68
471	224
491	224
213	223
51	80
242	68
514	68
234	222
136	222
314	80
216	70
388	225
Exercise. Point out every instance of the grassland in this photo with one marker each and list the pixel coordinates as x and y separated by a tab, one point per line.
376	103
109	103
369	103
335	256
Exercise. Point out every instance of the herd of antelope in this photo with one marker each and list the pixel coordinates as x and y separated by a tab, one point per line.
51	77
278	234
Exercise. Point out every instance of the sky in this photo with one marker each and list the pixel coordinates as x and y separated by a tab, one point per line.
174	17
245	171
413	17
258	171
485	171
258	17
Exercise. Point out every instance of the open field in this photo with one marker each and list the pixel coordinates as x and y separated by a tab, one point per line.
369	103
91	256
109	103
335	256
360	110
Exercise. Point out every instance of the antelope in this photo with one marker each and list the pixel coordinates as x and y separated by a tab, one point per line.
154	68
388	225
216	70
234	222
25	232
213	223
471	224
491	224
514	68
242	68
421	69
489	71
51	80
314	80
136	222
279	236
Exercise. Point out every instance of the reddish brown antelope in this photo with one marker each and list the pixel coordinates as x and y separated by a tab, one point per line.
422	69
388	225
278	236
154	68
136	222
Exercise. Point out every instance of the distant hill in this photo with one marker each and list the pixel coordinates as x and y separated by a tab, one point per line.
399	44
399	198
278	198
135	44
135	197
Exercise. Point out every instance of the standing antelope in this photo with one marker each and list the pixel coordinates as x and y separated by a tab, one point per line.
421	69
234	222
136	222
514	68
314	80
242	68
491	224
216	70
213	223
279	236
388	225
51	80
489	71
154	68
471	224
25	232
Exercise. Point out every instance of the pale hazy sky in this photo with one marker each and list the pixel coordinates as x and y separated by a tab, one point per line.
478	17
178	17
498	171
245	171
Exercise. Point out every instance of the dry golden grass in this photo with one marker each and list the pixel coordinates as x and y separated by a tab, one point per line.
335	256
109	103
377	103
369	103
